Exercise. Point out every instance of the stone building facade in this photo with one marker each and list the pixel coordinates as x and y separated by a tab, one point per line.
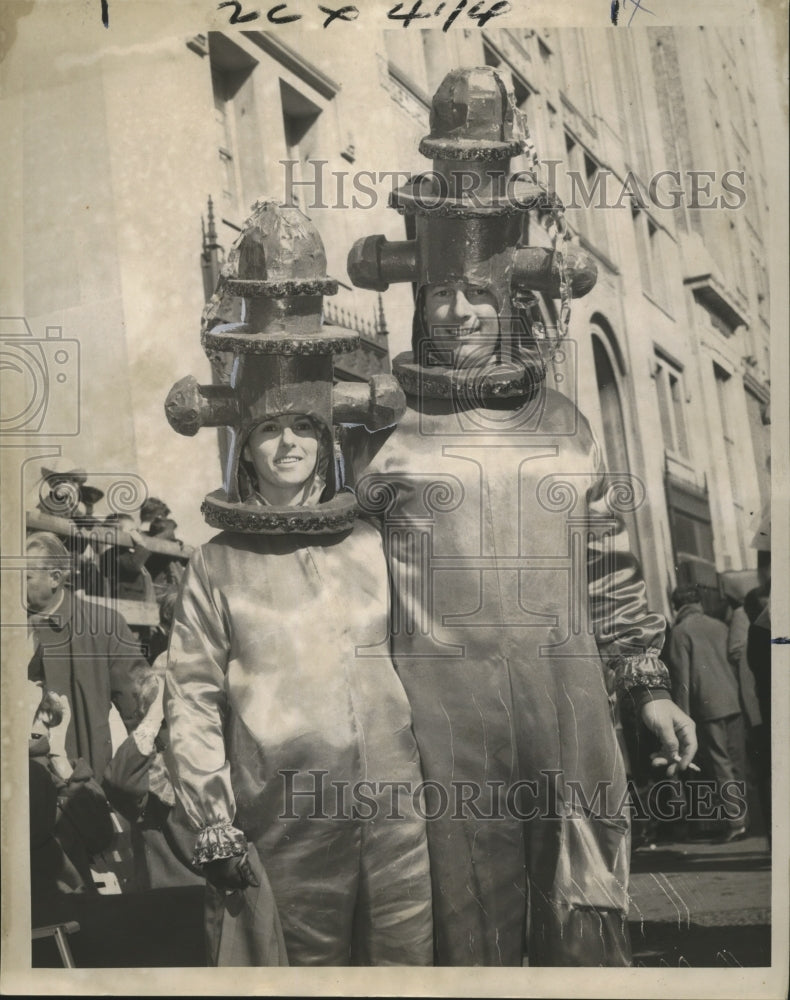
116	150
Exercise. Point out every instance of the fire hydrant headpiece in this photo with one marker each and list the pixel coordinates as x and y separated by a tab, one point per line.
468	213
282	364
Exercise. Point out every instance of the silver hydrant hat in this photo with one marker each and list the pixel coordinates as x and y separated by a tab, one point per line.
282	363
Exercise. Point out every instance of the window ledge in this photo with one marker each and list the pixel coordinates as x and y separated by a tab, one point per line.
650	298
712	294
682	471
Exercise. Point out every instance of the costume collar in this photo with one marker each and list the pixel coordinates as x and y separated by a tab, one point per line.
475	385
332	516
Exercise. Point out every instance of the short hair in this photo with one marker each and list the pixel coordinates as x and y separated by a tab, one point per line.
160	525
54	554
153	507
688	594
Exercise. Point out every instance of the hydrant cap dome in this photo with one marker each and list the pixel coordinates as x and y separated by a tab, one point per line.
471	117
279	253
280	243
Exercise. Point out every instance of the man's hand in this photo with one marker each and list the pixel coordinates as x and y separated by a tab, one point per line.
57	741
231	874
675	730
139	552
57	734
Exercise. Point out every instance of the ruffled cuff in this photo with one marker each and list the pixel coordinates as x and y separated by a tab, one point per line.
643	671
220	841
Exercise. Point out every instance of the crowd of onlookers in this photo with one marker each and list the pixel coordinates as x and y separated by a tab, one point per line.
118	555
718	651
100	795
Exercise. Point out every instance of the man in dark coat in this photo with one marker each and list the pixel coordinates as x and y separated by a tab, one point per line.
124	567
83	651
705	686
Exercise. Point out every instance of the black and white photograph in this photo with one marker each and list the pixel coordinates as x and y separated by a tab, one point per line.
394	420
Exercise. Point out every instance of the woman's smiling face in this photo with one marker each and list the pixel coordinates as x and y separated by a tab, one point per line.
284	452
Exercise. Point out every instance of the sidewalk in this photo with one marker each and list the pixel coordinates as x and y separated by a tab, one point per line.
701	904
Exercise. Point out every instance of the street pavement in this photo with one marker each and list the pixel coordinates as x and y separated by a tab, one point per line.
693	904
698	904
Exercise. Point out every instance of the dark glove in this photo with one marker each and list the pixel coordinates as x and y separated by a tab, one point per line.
230	874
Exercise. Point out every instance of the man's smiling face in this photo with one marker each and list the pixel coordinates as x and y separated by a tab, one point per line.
462	323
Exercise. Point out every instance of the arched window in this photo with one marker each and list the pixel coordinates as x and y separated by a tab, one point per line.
609	368
614	442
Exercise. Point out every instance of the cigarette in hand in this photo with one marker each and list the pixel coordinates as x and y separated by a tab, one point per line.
659	761
691	765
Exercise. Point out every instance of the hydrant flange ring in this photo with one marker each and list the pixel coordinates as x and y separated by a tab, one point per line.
280	289
237	338
337	514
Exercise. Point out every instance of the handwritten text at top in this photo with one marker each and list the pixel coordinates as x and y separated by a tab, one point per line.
479	13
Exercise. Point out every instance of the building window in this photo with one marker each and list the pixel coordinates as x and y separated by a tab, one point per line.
596	216
226	135
693	538
491	57
586	191
615	444
650	253
300	128
522	93
735	468
254	140
611	409
236	122
672	407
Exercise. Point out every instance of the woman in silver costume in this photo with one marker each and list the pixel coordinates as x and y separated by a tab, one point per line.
277	720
